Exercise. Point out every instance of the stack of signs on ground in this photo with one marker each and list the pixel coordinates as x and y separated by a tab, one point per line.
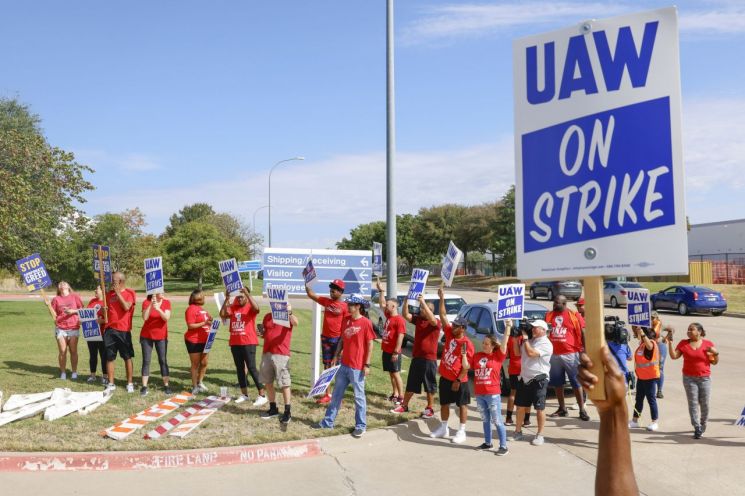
322	384
89	323
278	303
121	430
231	278
153	275
209	402
55	404
510	301
416	287
377	260
198	417
105	256
212	335
450	264
34	272
638	307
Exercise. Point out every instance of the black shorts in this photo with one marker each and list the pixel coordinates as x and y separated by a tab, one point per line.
391	365
514	378
461	397
422	371
120	342
194	347
532	394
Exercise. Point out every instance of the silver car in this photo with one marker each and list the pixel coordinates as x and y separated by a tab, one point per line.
614	292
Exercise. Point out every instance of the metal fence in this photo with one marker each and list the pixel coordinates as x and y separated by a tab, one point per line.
726	268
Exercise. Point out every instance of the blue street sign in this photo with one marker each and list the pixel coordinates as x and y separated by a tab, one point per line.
249	266
284	267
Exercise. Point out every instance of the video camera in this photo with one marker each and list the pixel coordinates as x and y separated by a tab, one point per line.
524	325
615	330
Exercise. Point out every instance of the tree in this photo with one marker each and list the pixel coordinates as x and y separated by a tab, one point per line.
362	237
501	222
190	213
465	226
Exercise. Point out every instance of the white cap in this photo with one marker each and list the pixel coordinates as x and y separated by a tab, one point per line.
540	323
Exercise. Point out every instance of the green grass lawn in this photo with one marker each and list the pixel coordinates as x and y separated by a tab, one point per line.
28	365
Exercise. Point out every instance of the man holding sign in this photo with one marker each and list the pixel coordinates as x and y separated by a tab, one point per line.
275	363
118	334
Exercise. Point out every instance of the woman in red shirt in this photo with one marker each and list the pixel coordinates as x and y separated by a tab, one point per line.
156	310
198	323
698	355
97	349
64	308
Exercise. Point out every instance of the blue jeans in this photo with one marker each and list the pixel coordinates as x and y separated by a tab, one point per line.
490	408
344	378
663	357
646	389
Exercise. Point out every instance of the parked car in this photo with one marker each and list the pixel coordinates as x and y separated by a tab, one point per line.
550	289
686	299
453	304
482	321
614	292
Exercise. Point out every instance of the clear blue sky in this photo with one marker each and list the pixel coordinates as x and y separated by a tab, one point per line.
177	102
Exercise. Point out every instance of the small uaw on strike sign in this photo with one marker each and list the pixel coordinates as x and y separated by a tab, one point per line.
599	166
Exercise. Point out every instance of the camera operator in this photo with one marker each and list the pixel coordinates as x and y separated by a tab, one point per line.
647	361
535	350
617	338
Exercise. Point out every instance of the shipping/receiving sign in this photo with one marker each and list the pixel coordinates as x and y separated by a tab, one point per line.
599	171
278	303
34	272
322	384
450	264
309	273
283	267
153	275
510	301
106	256
89	323
377	260
416	286
249	266
212	335
638	307
231	278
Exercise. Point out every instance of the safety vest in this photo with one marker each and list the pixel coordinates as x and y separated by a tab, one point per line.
647	369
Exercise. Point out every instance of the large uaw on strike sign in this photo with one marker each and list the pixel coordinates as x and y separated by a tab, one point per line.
598	149
283	267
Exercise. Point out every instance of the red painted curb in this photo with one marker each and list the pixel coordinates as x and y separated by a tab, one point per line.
144	460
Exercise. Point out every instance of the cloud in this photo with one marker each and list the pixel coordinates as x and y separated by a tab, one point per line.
131	162
138	163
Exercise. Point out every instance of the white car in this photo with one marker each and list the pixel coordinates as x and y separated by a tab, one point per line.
614	292
453	304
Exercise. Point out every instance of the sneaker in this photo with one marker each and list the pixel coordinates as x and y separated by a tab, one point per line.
195	391
428	413
167	389
660	395
583	415
559	413
261	401
440	432
143	391
202	388
537	441
285	418
460	437
508	421
502	451
104	380
241	398
358	433
91	379
63	376
526	422
398	400
400	409
130	388
110	386
325	399
697	433
634	424
392	398
74	376
318	427
652	427
271	413
518	436
484	447
703	427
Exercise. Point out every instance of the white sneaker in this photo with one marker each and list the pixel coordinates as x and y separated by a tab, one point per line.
241	398
261	401
633	424
63	376
74	376
195	390
460	437
130	388
652	427
91	379
202	388
537	441
440	432
110	386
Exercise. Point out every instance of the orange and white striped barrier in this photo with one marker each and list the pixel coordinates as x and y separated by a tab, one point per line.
126	427
191	423
209	402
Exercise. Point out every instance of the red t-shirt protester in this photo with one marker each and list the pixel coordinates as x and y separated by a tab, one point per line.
451	362
276	337
514	366
695	362
120	319
566	333
356	335
394	327
194	314
155	327
242	324
333	317
426	337
62	303
486	372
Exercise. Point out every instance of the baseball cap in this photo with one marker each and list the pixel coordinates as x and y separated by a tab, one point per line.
581	301
540	323
460	322
338	283
357	299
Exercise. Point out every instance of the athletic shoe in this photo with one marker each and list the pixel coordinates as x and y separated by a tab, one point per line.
484	447
502	451
703	427
104	380
110	386
195	391
271	413
441	432
130	388
559	413
74	376
518	436
392	398
526	422
167	390
508	421
63	376
460	437
537	441
652	427
261	401
326	398
660	395
318	427
143	391
400	409
202	388
358	433
241	398
285	418
91	379
398	400
428	413
697	433
634	424
583	415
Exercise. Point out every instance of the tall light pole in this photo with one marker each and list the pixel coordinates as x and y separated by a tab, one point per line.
254	222
270	192
392	269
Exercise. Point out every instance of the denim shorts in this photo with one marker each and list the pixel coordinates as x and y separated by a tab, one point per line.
563	366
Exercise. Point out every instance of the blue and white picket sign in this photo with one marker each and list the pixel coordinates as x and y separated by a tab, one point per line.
377	260
34	272
278	303
231	278
212	335
416	286
450	264
309	273
153	275
741	421
510	301
598	155
638	307
106	262
323	381
89	323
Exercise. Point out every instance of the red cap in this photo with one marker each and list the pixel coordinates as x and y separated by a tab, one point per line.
338	283
581	301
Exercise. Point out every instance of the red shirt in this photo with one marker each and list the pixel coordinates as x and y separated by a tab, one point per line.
566	332
242	325
118	318
333	317
69	302
276	337
194	314
486	375
356	336
155	327
513	368
451	362
426	337
695	362
394	327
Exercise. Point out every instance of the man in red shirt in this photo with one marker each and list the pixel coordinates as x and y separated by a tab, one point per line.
513	371
393	338
566	338
118	334
423	369
275	363
335	311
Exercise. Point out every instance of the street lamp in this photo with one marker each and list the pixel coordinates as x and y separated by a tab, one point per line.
270	192
254	222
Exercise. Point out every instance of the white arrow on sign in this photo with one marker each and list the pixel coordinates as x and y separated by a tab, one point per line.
363	289
364	275
365	262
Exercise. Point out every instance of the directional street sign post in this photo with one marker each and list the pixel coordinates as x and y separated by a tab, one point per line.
253	267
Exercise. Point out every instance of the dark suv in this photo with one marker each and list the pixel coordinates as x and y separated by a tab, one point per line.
551	289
